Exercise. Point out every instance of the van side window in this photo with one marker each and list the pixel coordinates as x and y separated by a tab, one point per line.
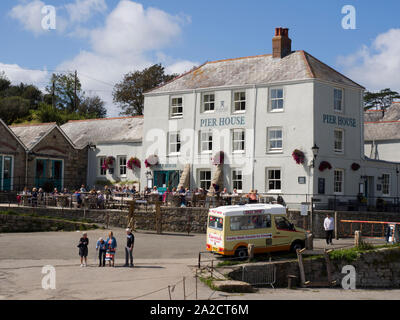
216	222
283	224
250	222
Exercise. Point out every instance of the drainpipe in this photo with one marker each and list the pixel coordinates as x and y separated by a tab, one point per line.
254	136
194	138
26	167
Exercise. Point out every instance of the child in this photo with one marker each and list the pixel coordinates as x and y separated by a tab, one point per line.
83	249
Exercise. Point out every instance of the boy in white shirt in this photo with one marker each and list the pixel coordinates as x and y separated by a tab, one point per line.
329	226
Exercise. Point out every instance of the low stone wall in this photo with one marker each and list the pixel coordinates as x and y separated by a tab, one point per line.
343	228
374	269
19	223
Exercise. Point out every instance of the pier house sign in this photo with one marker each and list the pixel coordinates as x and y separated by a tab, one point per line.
339	121
223	121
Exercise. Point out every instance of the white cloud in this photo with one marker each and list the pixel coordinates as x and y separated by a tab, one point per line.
376	66
30	16
17	74
83	10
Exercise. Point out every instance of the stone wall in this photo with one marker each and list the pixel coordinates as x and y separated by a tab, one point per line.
374	269
343	228
18	223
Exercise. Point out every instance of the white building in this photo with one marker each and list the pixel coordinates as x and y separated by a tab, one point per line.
258	110
120	138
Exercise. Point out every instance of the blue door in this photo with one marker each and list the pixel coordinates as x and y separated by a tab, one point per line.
166	179
49	174
7	173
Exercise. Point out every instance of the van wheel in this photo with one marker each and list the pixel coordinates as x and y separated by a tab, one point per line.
241	253
296	245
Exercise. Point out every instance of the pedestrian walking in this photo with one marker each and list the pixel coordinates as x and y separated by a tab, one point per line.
83	249
130	241
329	226
111	246
102	247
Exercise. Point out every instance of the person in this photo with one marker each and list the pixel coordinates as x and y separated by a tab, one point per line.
78	198
252	196
235	193
101	246
83	189
329	225
130	241
34	197
100	200
155	190
388	233
133	190
111	246
83	249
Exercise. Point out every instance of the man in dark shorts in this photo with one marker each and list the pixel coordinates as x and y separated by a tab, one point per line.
83	249
130	241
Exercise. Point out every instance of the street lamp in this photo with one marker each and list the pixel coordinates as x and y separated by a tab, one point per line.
315	150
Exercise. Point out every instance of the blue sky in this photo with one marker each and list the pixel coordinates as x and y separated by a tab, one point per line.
105	39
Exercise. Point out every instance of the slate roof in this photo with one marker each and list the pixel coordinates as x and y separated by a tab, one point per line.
122	129
255	70
31	134
379	126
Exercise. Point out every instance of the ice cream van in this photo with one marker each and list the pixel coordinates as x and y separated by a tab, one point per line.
231	228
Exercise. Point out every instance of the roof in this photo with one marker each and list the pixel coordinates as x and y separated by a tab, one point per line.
31	134
382	126
249	209
121	129
255	70
13	134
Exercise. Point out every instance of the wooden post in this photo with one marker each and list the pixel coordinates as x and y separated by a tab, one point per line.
158	218
328	266
357	238
184	289
196	284
250	250
301	267
336	226
131	215
309	241
169	292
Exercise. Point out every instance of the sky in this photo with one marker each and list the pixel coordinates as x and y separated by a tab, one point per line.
105	39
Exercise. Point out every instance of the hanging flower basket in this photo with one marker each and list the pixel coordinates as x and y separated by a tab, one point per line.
218	158
133	163
298	156
355	166
324	165
108	163
151	161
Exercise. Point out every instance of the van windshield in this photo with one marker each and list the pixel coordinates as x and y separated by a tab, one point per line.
215	222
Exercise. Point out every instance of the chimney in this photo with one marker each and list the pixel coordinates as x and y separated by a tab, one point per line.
281	43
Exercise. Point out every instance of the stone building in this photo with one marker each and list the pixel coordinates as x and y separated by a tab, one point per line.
42	155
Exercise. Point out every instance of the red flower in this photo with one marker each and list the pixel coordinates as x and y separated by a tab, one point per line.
324	165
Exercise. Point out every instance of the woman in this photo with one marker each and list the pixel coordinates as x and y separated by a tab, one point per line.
252	196
83	249
111	245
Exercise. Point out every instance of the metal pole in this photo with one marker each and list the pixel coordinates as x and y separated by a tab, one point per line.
169	292
184	289
196	284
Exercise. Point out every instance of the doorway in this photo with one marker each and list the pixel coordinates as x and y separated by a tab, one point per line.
166	179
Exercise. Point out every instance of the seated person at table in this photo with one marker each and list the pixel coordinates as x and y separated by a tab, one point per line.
65	191
225	192
78	198
181	190
133	190
235	193
252	196
146	190
155	190
83	189
100	200
55	191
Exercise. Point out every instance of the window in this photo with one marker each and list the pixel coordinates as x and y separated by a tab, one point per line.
276	99
237	180
176	107
283	224
274	139
238	140
274	182
250	222
206	140
386	184
239	101
338	144
205	179
174	143
215	223
338	100
122	165
102	171
208	102
338	181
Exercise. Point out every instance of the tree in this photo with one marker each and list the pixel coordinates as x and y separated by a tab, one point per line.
4	82
92	107
380	100
13	108
128	94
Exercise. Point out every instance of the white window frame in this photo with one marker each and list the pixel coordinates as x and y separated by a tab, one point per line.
341	102
335	140
335	181
269	139
205	142
207	103
386	184
268	179
234	141
176	114
100	169
122	167
240	101
204	180
235	180
176	142
271	99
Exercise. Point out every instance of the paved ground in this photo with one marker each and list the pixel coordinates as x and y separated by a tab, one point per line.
160	261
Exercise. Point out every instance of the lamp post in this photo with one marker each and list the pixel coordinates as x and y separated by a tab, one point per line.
315	150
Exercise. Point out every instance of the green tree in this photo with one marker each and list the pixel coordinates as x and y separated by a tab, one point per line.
92	107
13	108
128	94
380	100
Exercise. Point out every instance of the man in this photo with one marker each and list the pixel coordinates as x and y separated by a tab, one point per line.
329	225
130	240
101	246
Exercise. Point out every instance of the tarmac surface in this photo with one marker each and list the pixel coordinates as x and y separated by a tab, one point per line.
160	261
